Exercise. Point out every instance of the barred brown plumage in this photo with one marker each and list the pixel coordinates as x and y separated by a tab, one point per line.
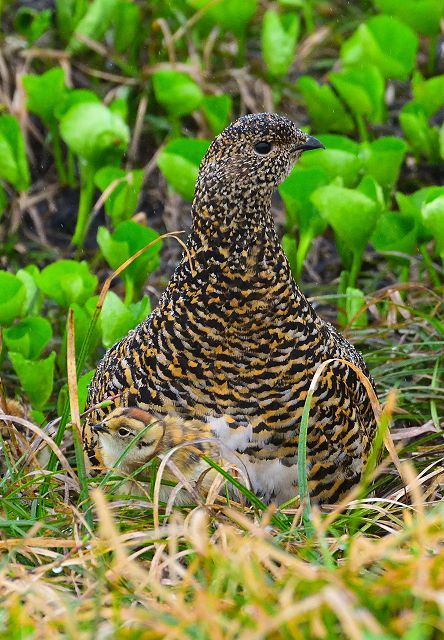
233	341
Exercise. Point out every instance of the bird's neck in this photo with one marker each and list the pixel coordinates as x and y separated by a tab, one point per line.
234	228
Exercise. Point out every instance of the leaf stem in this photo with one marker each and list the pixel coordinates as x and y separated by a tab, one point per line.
85	203
355	268
57	152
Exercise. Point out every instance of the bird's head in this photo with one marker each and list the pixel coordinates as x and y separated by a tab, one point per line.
120	429
256	151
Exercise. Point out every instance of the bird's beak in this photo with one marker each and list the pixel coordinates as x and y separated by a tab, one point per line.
100	427
310	143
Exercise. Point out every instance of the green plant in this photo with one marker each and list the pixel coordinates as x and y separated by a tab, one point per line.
117	247
13	161
179	162
279	36
368	44
98	137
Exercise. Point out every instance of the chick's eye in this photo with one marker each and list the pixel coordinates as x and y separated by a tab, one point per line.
263	147
123	432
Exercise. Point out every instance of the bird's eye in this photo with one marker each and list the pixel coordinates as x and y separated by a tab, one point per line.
124	432
263	147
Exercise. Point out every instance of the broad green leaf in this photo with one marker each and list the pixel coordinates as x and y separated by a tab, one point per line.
351	214
45	93
339	158
395	231
279	36
176	92
383	158
122	201
67	281
68	15
32	24
412	205
29	337
422	138
128	238
296	191
73	98
179	162
13	161
373	190
385	42
362	88
94	133
217	110
93	24
433	216
36	377
421	15
34	297
326	110
12	297
118	319
428	93
227	14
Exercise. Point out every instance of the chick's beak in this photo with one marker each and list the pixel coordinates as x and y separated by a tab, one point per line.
310	143
100	427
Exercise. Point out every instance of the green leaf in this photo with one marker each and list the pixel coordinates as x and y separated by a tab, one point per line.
12	297
433	217
362	88
423	139
13	161
354	301
67	281
93	24
126	240
29	337
385	42
326	110
32	24
228	14
34	297
118	319
179	162
296	191
338	159
36	377
279	36
94	133
352	214
429	94
412	205
176	92
45	93
217	110
73	98
127	20
421	15
383	158
122	202
395	232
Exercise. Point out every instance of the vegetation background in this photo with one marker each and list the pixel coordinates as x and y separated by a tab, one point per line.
106	108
